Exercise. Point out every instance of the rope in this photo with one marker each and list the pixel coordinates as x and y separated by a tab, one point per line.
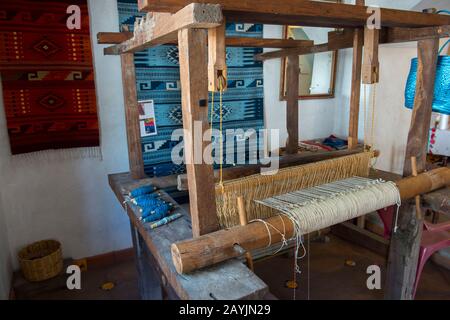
365	116
221	86
369	136
372	129
212	111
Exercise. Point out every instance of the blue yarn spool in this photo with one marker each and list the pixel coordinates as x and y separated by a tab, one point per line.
158	213
150	208
142	190
144	199
441	100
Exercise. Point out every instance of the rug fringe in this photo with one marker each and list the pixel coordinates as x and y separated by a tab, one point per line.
59	155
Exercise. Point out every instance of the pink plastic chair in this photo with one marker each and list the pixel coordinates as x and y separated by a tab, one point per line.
434	238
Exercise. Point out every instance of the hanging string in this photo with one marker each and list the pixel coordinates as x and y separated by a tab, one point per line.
372	129
212	111
221	86
365	116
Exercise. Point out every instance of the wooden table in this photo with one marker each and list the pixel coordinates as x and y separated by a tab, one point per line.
158	278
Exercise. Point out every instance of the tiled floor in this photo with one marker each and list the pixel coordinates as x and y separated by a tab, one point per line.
123	275
329	278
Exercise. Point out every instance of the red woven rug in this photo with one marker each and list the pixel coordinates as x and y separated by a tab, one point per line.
47	76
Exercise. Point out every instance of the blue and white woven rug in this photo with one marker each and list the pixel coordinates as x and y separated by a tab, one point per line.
158	79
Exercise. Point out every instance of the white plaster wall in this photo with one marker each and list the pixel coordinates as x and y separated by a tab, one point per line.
70	200
5	259
392	119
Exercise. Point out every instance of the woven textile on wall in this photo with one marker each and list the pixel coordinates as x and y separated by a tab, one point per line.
47	76
158	79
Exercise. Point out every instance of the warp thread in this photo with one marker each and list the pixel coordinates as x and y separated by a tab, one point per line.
258	186
320	207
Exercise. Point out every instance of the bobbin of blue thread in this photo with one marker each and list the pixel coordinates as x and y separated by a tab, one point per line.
158	213
142	190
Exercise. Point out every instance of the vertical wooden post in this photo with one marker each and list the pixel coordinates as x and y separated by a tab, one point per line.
132	116
404	248
371	65
194	86
217	66
355	95
244	221
292	93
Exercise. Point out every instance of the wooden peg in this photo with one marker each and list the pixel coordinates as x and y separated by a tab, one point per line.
417	198
217	66
371	64
243	220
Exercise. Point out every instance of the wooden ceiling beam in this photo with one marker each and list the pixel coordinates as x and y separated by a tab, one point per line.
344	40
267	43
113	37
119	37
160	28
303	12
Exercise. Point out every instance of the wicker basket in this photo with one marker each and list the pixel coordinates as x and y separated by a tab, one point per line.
41	260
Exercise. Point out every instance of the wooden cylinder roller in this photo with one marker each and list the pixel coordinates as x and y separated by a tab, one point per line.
193	254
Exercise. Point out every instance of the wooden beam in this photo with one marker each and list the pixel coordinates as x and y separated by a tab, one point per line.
119	37
190	255
194	100
371	64
113	37
342	41
292	93
355	95
160	28
303	12
217	59
266	43
421	114
404	250
336	40
132	117
396	35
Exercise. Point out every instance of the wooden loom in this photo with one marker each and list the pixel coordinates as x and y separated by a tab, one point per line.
185	22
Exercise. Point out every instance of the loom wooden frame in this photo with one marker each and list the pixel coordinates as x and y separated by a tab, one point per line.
397	26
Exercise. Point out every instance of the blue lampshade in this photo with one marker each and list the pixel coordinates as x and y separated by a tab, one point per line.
441	100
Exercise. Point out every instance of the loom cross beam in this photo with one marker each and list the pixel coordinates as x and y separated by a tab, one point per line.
160	28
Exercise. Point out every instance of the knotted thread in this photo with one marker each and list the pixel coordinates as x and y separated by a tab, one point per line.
320	207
